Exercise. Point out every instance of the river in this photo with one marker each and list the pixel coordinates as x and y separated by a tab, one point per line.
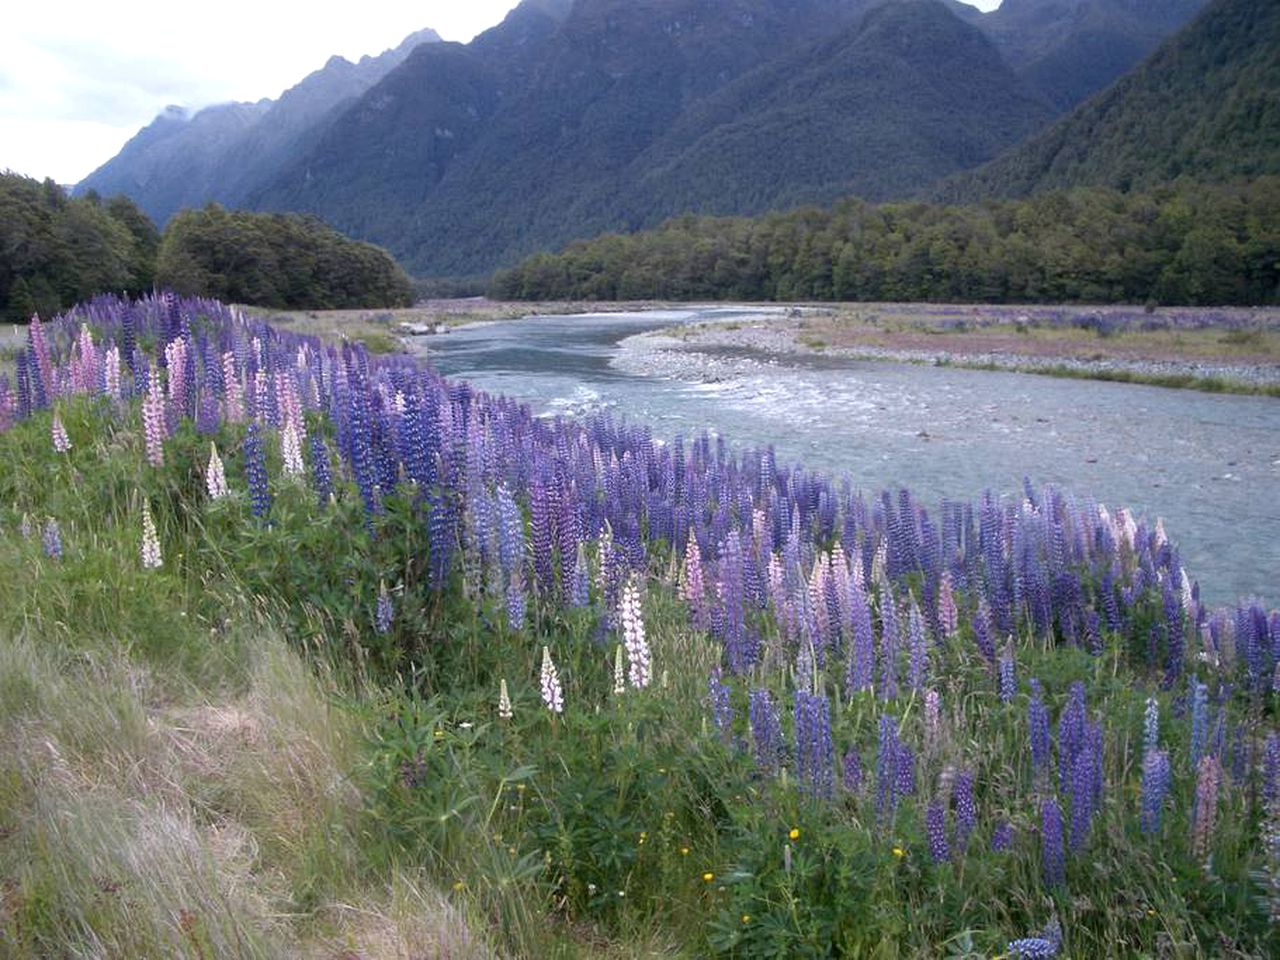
1209	464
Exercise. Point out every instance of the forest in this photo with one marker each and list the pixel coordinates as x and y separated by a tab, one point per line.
1182	244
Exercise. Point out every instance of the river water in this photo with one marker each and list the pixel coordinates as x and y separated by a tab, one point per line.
1209	464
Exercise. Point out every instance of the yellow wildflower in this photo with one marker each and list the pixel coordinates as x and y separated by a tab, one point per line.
795	833
899	852
708	876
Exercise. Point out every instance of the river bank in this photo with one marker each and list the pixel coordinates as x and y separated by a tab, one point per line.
1223	351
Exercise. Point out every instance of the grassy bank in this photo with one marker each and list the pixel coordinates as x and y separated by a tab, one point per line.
428	675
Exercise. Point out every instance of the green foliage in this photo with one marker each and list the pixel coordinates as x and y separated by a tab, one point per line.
1205	106
1194	244
277	260
56	251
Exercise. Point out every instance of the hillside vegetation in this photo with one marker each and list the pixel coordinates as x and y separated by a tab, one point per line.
1205	106
611	695
1186	245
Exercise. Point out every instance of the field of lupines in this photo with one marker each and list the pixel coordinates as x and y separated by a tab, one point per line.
667	694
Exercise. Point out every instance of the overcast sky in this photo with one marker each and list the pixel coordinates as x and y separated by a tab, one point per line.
80	77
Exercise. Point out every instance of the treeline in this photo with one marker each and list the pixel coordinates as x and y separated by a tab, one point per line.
57	250
1186	244
281	260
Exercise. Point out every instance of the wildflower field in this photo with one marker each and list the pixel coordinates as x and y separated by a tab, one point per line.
583	691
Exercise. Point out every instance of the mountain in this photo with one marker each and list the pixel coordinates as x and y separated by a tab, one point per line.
1070	49
1206	106
638	110
574	117
183	160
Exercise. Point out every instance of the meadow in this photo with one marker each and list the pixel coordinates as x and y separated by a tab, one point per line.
308	651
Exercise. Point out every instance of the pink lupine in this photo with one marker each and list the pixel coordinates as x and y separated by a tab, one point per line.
1208	779
151	558
693	587
61	442
231	385
155	424
84	362
175	354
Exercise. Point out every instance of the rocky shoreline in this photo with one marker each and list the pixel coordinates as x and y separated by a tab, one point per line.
784	337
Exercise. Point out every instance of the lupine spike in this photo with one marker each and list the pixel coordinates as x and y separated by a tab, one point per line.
549	683
151	557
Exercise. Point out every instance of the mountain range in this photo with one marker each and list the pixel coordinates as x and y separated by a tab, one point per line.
574	117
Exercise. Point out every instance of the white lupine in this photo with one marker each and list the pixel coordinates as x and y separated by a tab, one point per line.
633	638
112	374
215	478
291	451
151	558
1151	726
505	710
879	559
552	695
619	672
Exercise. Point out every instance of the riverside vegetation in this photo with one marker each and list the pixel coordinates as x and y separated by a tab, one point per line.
287	626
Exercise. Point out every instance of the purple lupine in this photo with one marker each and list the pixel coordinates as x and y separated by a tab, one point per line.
1052	857
515	600
1271	772
580	579
1071	726
851	770
918	664
766	730
721	706
966	808
814	754
1085	786
1038	722
1156	778
1150	726
52	540
887	766
935	828
1043	947
1002	837
862	646
888	643
1174	614
321	474
1008	682
255	468
982	634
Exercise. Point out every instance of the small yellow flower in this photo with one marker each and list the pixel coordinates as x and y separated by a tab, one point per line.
520	787
708	876
439	734
643	837
459	886
684	851
795	833
899	852
746	918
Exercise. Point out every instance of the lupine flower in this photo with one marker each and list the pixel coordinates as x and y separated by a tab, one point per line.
1042	947
1052	859
549	681
619	672
932	717
151	558
1002	837
52	540
1205	813
1007	678
24	527
215	479
1199	720
948	618
61	442
966	808
291	451
918	662
1271	772
321	474
1151	726
766	729
692	585
505	710
1038	721
111	377
935	827
852	770
632	623
255	468
813	751
385	611
515	600
154	422
982	633
1156	778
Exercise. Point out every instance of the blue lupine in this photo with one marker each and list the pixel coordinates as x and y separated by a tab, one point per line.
52	540
1150	726
255	468
1071	725
766	729
384	613
1043	947
1156	778
851	770
888	644
1199	721
1008	681
918	664
1002	837
814	754
1052	857
966	808
862	646
515	600
721	706
321	475
982	634
1271	772
887	766
935	828
1038	721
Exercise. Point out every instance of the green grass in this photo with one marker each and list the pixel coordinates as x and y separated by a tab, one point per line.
223	757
